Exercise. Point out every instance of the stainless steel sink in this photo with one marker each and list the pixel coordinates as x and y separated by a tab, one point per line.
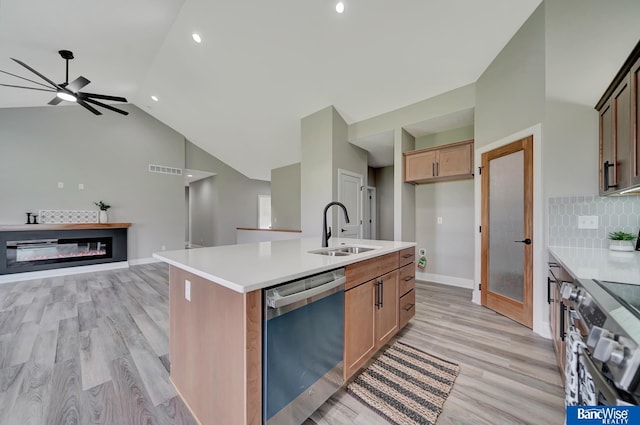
332	253
355	249
341	251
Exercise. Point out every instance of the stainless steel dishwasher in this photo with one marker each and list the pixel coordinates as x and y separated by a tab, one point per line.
303	340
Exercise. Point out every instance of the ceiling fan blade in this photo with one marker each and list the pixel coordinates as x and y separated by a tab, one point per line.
109	107
56	100
89	107
36	72
77	84
102	96
23	78
25	87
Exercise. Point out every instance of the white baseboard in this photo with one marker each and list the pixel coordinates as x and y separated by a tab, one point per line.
544	329
19	277
445	280
139	261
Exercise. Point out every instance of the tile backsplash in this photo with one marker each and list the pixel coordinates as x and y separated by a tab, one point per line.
615	213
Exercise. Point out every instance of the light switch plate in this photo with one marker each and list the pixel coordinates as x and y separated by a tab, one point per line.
587	222
439	220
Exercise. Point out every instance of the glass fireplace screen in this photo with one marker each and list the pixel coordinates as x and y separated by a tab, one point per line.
47	251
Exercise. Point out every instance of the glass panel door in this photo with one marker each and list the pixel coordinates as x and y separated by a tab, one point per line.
506	204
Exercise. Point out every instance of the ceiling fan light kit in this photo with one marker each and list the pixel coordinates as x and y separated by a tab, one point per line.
68	91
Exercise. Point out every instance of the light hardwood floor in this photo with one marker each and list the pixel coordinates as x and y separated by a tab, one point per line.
92	349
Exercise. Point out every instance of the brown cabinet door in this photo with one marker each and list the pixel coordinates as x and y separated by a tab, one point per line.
607	151
454	161
635	125
419	166
622	134
359	330
387	308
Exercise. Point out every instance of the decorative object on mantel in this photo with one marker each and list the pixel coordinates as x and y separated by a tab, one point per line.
104	218
68	216
621	241
35	218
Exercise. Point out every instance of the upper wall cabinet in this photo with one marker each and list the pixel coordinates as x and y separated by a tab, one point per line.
619	119
440	163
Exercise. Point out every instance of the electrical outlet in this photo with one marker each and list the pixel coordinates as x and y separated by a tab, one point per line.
60	185
187	290
439	220
163	247
422	252
587	222
81	186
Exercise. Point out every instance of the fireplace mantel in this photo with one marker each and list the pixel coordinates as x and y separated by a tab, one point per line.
64	226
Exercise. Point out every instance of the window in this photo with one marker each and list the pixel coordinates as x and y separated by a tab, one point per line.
264	211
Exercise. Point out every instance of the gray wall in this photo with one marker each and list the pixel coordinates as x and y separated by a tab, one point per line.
109	154
325	149
285	197
404	193
203	197
510	93
315	169
234	199
384	191
450	245
187	236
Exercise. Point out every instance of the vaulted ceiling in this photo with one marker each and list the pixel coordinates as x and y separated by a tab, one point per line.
261	66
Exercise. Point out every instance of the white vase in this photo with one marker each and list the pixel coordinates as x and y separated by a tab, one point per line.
621	245
103	217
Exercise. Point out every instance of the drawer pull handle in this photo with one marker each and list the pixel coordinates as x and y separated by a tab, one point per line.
408	278
407	256
409	307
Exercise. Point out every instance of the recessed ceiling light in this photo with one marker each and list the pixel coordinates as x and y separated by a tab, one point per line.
196	37
340	7
154	98
189	175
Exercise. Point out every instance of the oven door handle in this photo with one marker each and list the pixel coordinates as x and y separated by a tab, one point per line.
602	387
302	295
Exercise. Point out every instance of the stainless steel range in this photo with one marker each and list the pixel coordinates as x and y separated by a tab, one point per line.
603	355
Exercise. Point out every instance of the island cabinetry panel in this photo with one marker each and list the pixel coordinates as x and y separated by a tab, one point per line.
407	307
359	331
387	312
440	163
635	116
371	309
215	350
363	271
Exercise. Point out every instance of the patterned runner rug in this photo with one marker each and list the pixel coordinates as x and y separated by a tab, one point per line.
405	385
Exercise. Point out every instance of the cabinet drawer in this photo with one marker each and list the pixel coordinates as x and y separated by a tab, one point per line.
370	269
407	256
407	307
407	278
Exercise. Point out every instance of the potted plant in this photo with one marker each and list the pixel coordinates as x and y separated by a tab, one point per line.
621	241
103	218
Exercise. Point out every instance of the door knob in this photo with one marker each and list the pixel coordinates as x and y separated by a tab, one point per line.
525	241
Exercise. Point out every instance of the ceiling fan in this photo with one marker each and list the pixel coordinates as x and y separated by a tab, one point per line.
68	91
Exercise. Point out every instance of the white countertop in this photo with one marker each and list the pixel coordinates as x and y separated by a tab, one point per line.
248	267
601	264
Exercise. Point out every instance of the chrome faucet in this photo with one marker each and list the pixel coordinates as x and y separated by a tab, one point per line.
327	234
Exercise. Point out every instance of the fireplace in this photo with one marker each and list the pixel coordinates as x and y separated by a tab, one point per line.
28	250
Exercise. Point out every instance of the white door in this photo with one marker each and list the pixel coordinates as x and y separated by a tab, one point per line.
350	194
369	213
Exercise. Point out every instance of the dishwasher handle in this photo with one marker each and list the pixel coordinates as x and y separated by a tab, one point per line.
278	302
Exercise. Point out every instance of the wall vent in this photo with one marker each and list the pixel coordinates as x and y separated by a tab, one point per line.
165	170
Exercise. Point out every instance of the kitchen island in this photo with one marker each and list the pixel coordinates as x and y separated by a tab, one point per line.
216	316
